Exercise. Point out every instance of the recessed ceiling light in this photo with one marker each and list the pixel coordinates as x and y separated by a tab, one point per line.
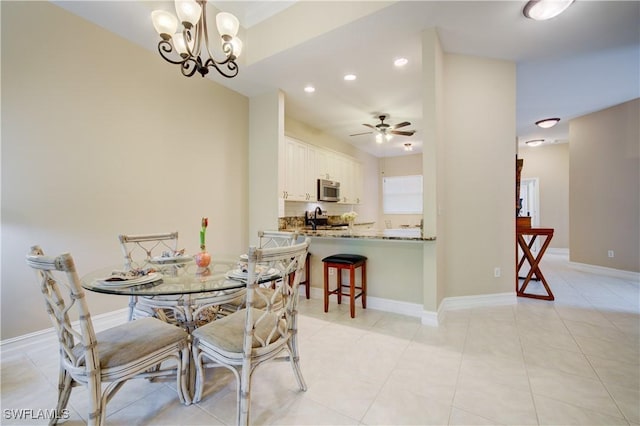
541	10
535	142
400	62
350	77
547	122
309	89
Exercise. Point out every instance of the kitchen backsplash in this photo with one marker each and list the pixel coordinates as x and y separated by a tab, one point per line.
293	222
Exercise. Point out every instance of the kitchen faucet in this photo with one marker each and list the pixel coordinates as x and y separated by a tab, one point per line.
313	221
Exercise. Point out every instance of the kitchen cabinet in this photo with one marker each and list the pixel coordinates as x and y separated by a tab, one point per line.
299	171
304	164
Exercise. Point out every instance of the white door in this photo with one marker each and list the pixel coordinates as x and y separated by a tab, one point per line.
530	196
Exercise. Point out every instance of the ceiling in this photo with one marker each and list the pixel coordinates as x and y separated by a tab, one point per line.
582	61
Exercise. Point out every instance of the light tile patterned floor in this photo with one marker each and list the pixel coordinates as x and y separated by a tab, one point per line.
572	361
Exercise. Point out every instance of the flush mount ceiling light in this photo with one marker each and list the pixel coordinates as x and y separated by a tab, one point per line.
192	42
309	89
541	10
535	142
547	123
400	62
350	77
408	147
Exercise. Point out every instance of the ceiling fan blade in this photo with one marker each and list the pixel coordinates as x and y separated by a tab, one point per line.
369	125
403	133
358	134
403	124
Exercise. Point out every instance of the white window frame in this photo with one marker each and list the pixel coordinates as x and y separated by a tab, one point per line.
402	194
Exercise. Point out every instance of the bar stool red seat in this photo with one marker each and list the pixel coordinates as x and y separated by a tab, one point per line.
350	262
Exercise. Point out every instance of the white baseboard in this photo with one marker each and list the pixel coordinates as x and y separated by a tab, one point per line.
562	251
100	322
428	317
602	270
111	319
465	302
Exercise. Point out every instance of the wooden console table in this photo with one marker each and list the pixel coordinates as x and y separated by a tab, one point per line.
534	261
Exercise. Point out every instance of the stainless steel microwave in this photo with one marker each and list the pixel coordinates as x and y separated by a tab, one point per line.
328	190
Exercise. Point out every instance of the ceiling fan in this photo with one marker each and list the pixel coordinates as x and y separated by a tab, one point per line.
387	130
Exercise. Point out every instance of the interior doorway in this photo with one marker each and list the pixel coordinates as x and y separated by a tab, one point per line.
530	196
530	202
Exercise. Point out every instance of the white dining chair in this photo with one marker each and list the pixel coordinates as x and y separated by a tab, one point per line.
266	239
244	340
138	250
144	348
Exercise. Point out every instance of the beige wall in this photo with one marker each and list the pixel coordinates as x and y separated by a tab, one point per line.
550	164
479	174
404	165
101	137
604	187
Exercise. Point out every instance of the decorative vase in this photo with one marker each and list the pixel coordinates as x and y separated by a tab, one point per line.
202	259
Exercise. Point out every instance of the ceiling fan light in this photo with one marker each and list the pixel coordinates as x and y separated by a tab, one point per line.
541	10
378	138
388	136
547	123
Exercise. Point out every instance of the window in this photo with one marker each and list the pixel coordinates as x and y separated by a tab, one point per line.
402	194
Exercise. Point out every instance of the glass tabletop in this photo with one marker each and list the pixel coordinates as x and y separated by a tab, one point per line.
170	279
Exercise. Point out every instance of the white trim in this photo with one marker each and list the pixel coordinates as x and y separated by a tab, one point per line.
380	304
429	318
100	322
602	270
113	318
395	306
465	302
558	251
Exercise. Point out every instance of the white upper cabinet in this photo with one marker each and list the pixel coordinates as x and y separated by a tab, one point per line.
304	164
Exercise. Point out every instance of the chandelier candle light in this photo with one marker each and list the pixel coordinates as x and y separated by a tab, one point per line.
191	44
203	258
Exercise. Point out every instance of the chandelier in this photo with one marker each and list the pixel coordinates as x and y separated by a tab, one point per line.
189	47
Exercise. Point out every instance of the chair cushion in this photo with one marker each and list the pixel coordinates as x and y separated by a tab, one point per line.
134	340
228	333
346	259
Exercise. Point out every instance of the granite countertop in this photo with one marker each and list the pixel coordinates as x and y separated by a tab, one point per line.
411	234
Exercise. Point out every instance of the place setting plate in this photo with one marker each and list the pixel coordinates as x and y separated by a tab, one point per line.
120	281
239	274
170	260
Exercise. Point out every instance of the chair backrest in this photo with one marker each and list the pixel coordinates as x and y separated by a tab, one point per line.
139	249
270	239
62	292
279	318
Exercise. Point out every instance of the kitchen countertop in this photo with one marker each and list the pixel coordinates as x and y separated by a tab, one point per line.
408	234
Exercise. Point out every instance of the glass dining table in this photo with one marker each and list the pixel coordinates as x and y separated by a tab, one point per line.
183	288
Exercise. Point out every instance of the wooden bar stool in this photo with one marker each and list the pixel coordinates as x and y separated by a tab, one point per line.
307	277
350	262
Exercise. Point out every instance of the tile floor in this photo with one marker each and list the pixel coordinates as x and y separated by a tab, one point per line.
572	361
